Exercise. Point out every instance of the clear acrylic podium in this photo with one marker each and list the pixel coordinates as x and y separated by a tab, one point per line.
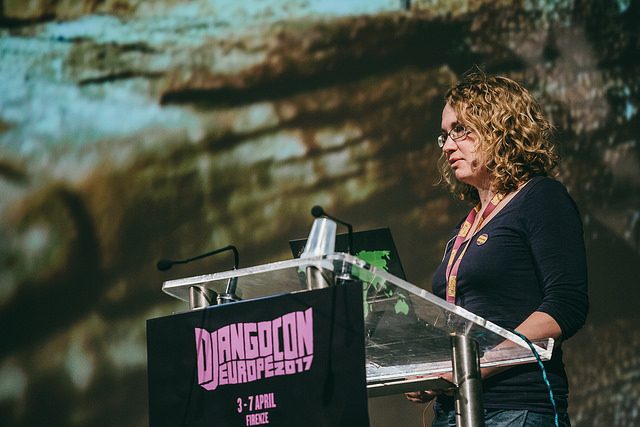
411	336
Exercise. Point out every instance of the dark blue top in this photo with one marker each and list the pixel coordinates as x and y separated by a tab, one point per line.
533	260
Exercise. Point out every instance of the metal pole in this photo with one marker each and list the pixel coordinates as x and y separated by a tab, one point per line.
201	297
318	278
466	376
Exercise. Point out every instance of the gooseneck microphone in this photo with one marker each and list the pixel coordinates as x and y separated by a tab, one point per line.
201	296
165	264
318	212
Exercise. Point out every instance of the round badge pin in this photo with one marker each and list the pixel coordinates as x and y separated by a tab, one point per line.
482	239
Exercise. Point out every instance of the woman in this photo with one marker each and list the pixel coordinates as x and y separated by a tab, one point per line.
519	260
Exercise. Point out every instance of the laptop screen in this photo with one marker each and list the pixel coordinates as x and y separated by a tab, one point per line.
388	309
376	247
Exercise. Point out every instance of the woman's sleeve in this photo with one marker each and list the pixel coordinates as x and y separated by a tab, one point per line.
554	229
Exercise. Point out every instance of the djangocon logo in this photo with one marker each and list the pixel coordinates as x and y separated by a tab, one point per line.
246	352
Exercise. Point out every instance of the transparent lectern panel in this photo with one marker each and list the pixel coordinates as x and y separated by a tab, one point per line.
407	329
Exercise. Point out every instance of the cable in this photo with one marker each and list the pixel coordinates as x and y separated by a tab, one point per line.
544	376
424	413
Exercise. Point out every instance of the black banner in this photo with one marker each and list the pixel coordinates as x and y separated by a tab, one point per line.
294	359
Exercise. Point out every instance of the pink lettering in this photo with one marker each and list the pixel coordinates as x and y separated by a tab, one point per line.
244	352
268	366
265	343
277	354
260	368
290	367
242	372
224	346
290	341
233	372
257	419
237	343
251	340
304	322
224	379
252	370
203	349
207	358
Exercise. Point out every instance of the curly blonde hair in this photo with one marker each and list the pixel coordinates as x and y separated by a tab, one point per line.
514	139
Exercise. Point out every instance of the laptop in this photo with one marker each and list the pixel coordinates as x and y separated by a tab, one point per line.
376	247
388	308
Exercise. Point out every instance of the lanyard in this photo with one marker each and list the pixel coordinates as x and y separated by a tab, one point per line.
452	268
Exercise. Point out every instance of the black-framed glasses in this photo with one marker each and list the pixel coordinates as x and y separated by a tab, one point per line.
457	132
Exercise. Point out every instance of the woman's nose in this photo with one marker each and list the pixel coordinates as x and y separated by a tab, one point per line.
449	145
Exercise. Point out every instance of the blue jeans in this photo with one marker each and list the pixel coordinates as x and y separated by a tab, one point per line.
505	418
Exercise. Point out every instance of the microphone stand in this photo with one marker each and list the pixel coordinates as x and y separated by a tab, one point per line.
345	273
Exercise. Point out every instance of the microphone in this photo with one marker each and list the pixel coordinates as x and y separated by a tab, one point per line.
318	212
344	276
165	264
200	296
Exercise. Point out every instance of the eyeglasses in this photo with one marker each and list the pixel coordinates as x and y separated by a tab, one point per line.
456	133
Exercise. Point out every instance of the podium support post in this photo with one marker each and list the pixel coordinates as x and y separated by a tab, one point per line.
466	376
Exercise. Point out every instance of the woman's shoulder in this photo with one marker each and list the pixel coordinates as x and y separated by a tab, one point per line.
541	183
544	188
546	195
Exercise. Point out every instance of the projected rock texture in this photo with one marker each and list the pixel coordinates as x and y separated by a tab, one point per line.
132	131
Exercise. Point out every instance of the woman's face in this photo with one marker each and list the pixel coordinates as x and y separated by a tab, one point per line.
461	154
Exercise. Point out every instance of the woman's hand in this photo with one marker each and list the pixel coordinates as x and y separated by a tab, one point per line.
425	396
